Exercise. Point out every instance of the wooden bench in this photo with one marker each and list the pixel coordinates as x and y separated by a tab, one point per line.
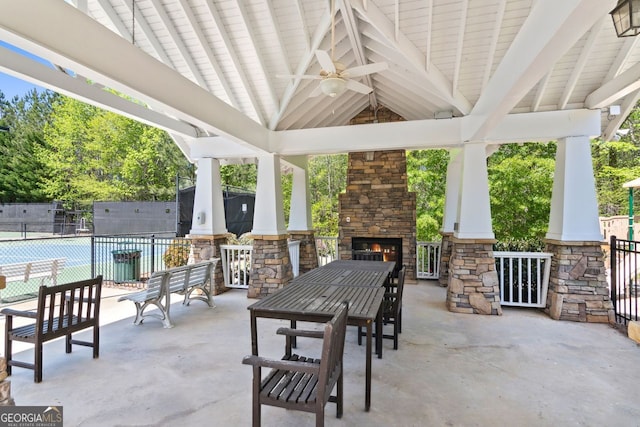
299	382
184	280
61	311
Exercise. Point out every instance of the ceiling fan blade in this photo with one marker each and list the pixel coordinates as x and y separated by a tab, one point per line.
293	76
316	92
325	61
358	87
365	69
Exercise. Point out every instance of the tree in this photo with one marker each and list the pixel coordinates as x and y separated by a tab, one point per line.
94	154
520	185
327	179
21	173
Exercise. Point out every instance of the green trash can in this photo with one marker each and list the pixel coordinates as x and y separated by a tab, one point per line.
126	265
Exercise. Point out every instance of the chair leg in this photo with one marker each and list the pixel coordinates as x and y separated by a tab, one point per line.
400	321
257	374
359	335
67	347
396	327
320	417
7	343
96	341
339	388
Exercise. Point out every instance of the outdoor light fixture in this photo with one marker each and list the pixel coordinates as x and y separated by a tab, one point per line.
333	86
626	18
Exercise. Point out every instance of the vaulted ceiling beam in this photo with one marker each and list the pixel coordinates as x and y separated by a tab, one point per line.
615	89
628	104
502	5
146	30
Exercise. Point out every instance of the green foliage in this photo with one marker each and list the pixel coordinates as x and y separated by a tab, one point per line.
426	176
327	179
520	185
92	154
520	245
241	176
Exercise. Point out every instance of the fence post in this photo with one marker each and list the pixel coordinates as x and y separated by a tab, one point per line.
153	253
614	274
93	256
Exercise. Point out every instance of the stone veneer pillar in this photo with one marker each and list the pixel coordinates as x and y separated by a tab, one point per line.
270	265
473	279
308	253
445	256
204	247
578	289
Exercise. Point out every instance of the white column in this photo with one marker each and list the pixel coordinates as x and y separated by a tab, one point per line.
574	205
208	203
268	217
300	209
474	208
454	175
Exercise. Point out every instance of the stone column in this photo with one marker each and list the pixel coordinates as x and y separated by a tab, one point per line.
445	256
270	265
207	247
308	252
5	385
473	279
578	288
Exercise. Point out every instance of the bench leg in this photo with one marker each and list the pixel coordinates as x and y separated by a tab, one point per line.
7	342
37	374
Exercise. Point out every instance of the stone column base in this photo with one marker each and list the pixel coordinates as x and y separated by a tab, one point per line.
270	265
204	247
473	279
578	289
445	256
308	253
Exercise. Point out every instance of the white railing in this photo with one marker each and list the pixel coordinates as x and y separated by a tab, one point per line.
523	277
294	256
327	249
428	260
236	265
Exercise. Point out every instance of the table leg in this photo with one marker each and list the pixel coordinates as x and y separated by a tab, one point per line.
367	392
254	335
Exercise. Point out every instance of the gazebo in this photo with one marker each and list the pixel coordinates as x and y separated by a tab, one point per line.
274	82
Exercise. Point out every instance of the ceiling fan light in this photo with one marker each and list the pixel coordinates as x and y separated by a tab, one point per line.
332	86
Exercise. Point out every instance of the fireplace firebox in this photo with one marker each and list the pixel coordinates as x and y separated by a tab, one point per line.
391	248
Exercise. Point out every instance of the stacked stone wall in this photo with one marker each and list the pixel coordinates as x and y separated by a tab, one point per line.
578	289
377	203
207	247
473	280
308	252
270	265
445	256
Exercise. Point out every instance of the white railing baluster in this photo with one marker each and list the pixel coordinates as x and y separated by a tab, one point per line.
236	265
526	280
428	260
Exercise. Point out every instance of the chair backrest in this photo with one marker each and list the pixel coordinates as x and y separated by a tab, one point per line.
366	255
332	352
397	303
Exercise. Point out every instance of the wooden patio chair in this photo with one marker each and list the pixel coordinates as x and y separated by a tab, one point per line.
366	255
303	383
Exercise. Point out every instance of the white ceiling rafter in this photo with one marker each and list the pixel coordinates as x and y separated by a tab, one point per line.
429	29
108	9
542	86
351	25
284	60
623	56
252	37
211	58
321	30
459	46
179	44
580	64
531	55
413	56
148	33
237	64
303	20
502	5
615	89
628	104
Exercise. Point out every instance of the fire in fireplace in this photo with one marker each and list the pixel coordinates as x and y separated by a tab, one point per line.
391	248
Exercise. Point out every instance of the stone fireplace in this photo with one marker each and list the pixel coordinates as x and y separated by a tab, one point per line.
378	207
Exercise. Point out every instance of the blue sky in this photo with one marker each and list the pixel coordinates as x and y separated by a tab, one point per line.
12	86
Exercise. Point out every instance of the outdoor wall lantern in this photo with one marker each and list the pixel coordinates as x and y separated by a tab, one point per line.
626	18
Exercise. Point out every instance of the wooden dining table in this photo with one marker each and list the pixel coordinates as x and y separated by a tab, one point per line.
315	297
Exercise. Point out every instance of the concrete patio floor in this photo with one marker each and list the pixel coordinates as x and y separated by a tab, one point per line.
521	369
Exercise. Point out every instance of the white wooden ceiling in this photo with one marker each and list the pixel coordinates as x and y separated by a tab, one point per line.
485	61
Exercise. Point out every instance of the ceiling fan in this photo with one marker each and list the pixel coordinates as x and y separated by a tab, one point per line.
333	76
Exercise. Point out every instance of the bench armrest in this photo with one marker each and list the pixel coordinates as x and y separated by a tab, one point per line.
300	333
19	313
287	365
